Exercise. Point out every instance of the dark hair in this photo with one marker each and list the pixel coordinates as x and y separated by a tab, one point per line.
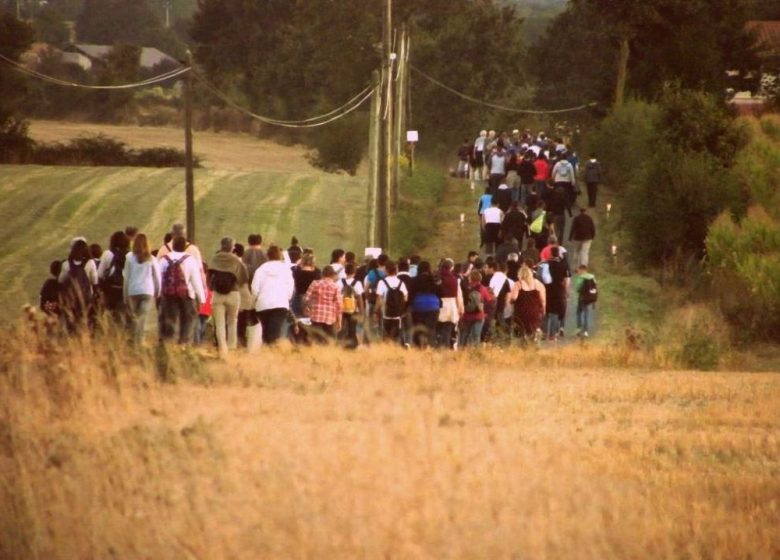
294	253
349	268
415	259
472	254
79	251
294	242
179	243
555	251
274	253
383	259
119	242
336	254
255	239
349	256
373	264
490	262
131	231
391	268
167	237
423	268
55	268
403	265
95	251
238	250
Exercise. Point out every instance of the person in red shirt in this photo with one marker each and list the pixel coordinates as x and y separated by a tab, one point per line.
323	303
473	319
542	173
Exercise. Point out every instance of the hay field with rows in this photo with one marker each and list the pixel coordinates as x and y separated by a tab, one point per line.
246	186
320	453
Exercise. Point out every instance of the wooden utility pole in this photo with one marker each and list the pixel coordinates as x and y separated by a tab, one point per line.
189	178
399	115
374	156
386	177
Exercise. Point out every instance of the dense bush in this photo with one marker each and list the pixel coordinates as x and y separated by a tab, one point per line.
97	150
744	262
668	212
341	144
624	142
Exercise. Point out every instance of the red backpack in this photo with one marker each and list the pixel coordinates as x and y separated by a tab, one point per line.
174	283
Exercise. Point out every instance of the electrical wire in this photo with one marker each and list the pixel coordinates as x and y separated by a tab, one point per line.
175	73
500	107
329	117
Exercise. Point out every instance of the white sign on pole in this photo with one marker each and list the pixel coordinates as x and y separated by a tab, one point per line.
412	136
373	252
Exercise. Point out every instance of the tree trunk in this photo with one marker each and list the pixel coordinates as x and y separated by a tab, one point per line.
622	71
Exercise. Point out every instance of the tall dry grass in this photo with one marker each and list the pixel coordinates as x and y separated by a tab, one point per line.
381	453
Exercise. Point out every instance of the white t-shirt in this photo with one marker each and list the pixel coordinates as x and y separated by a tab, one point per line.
493	215
394	282
357	286
497	282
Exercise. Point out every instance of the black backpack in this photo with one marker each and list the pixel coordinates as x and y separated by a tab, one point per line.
222	282
589	291
395	306
115	278
474	301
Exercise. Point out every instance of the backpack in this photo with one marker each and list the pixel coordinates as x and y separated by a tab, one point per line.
395	306
474	301
538	224
565	170
348	298
115	278
174	283
589	291
78	289
222	282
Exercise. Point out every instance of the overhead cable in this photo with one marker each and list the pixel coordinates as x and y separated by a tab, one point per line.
312	122
67	83
500	107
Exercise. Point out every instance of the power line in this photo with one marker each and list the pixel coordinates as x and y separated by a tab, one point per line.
66	83
329	117
496	106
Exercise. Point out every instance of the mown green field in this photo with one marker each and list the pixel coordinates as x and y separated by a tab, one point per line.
42	208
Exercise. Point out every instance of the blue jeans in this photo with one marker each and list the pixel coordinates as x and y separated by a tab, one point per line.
552	324
584	314
471	333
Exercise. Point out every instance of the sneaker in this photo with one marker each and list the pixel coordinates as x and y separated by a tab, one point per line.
561	333
585	334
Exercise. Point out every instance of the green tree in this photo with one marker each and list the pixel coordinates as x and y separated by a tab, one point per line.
50	26
15	38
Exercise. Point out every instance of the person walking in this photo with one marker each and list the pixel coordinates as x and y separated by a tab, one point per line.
592	179
557	290
392	296
582	234
564	176
587	295
323	305
79	281
475	299
425	305
451	310
527	172
182	291
352	305
529	298
497	163
491	226
227	275
141	286
273	286
110	274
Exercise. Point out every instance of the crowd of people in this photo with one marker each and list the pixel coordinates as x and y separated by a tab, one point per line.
245	295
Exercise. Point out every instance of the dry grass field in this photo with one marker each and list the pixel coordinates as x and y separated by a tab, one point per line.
383	454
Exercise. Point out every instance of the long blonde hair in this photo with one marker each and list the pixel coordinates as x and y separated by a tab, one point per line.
141	248
525	275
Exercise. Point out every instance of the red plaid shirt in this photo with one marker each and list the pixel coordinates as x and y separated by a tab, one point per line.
323	300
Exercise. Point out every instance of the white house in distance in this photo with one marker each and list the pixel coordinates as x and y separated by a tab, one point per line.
86	55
